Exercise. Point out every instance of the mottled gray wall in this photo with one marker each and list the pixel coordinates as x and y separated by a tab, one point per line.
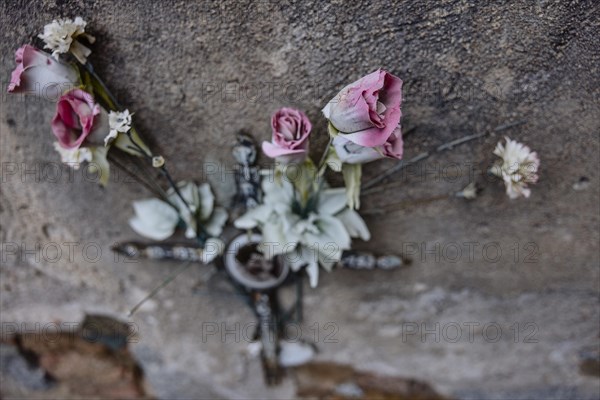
196	72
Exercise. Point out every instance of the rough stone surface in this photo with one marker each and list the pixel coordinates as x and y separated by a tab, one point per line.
195	73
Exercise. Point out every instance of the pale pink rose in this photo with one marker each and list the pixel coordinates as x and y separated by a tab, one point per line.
352	153
79	119
367	113
291	129
40	74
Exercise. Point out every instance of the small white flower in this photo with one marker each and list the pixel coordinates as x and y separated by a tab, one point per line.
519	167
60	37
73	157
119	122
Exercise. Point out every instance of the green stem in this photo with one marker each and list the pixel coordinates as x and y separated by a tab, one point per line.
113	104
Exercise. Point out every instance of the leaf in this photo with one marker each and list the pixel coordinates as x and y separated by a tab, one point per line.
333	160
333	132
124	142
100	163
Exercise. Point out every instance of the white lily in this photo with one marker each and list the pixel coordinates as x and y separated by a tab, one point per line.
158	220
308	241
201	202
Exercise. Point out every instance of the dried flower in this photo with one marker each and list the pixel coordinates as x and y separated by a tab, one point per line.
367	113
61	35
518	167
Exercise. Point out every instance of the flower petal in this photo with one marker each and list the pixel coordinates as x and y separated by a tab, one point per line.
207	201
253	217
312	269
212	249
154	219
215	224
374	136
189	191
354	224
280	238
273	151
332	201
352	153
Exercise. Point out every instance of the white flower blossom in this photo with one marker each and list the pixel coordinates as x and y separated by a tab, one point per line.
518	167
73	157
119	122
157	220
317	238
60	37
154	219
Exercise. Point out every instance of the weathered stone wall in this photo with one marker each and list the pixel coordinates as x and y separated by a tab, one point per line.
196	72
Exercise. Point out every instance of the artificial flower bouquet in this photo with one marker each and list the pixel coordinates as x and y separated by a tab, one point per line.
291	215
90	126
301	216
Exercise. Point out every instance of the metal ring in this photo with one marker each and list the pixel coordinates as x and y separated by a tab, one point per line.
240	273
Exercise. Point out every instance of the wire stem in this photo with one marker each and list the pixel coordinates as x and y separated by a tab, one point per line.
164	283
368	186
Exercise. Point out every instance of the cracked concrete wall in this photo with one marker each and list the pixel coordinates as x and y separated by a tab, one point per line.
196	72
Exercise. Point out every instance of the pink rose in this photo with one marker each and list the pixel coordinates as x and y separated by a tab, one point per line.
79	119
367	114
291	129
352	153
40	74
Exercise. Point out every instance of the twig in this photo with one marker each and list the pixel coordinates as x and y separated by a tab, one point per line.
131	173
88	66
164	283
401	165
446	146
456	142
324	155
509	125
401	205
